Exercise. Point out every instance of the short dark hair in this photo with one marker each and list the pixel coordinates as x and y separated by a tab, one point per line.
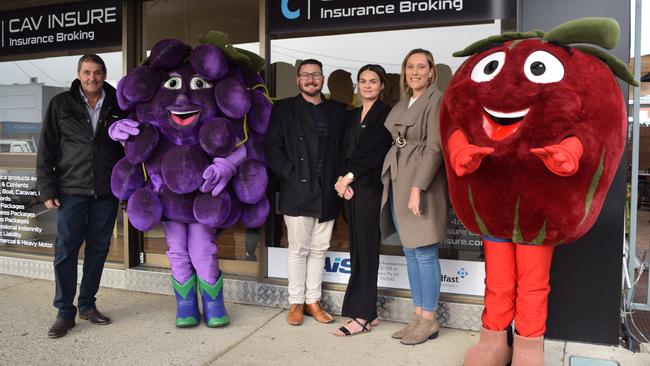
91	58
309	61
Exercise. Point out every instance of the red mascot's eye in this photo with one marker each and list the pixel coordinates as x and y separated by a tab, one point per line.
489	67
538	68
542	67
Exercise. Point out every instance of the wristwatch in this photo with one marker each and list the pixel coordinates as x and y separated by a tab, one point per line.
350	176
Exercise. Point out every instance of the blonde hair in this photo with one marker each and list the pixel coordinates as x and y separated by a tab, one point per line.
432	64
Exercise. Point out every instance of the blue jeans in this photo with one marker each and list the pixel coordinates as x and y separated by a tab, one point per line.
423	268
81	218
424	275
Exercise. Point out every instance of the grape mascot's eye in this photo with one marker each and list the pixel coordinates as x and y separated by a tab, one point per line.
173	83
199	83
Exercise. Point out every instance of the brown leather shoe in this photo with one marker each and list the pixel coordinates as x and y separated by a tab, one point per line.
314	310
60	327
95	317
295	317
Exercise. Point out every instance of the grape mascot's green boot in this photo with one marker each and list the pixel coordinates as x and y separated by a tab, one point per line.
214	309
187	303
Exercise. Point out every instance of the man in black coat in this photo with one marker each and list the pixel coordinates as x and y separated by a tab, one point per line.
304	150
74	162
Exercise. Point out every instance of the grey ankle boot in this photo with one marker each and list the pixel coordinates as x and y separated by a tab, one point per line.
425	329
408	327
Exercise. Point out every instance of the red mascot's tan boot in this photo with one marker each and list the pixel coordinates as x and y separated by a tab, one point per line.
528	351
491	350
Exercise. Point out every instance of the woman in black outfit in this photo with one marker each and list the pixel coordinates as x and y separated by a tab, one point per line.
365	144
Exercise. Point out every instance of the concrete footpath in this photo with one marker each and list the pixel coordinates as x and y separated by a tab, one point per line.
143	333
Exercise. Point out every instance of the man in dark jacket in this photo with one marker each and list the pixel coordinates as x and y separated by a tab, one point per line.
74	163
304	150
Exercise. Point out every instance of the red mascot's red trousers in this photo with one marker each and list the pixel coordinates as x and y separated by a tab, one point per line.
516	286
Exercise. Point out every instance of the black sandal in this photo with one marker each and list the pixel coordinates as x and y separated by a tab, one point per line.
346	332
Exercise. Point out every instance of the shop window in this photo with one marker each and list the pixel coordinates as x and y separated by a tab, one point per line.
26	88
187	20
343	55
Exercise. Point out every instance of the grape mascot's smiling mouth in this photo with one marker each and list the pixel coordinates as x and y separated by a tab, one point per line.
184	118
499	125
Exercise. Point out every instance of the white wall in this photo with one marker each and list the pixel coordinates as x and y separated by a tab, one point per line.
21	103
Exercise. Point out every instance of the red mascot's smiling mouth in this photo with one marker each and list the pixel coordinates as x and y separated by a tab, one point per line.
499	125
184	118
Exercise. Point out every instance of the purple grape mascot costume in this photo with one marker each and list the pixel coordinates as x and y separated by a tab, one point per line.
194	159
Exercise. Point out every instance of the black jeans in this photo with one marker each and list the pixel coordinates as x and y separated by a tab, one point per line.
81	218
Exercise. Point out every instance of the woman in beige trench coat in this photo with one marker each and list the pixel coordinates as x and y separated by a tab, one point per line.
414	201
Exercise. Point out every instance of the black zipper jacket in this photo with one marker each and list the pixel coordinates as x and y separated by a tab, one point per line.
71	159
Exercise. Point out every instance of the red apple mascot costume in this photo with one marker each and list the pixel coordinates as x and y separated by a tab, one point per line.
532	131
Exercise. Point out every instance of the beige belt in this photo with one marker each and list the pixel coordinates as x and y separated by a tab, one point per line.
400	142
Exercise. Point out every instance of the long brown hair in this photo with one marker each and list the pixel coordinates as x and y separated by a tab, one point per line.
432	64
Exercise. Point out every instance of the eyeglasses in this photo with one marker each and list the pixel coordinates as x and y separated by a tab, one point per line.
314	75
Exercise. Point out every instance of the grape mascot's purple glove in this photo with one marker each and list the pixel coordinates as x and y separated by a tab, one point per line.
218	174
123	129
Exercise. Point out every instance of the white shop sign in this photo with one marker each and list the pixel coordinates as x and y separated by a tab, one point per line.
457	277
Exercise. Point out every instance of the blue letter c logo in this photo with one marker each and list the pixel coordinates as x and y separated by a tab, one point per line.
289	14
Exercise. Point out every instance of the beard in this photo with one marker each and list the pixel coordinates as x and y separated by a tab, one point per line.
306	91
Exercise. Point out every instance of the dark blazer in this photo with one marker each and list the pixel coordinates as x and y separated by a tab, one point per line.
365	146
72	159
292	154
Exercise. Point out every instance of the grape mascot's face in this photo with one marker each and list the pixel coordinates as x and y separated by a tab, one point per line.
183	101
523	95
